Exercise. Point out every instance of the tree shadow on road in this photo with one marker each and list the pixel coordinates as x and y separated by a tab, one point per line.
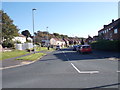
68	54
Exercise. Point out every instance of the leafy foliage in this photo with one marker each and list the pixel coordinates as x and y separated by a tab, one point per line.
8	44
26	33
9	30
106	45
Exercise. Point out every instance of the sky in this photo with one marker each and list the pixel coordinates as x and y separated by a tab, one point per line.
69	18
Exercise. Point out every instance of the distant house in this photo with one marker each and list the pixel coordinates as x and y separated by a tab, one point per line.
30	39
20	38
57	41
45	42
66	42
95	38
89	39
110	31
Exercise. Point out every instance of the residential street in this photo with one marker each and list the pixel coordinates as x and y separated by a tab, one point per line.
65	69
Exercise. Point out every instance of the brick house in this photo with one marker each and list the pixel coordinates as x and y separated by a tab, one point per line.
110	31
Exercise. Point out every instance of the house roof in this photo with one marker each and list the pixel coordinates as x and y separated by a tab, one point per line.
20	35
58	39
113	24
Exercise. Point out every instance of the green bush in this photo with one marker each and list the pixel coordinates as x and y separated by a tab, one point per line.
106	45
18	42
7	44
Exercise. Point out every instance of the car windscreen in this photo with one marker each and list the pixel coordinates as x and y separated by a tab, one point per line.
86	46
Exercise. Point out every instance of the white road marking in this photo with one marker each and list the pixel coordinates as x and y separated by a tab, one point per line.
89	72
75	68
62	51
118	71
84	72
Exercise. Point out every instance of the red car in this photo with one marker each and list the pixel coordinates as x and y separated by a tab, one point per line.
85	48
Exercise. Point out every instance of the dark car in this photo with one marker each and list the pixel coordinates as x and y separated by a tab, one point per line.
57	47
74	47
78	48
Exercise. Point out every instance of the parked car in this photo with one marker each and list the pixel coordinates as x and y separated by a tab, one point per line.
78	48
57	47
85	48
74	47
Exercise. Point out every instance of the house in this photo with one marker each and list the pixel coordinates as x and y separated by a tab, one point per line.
89	39
110	31
45	42
95	38
30	39
20	38
66	42
57	41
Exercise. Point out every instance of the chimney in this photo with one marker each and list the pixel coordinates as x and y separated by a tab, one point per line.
105	26
112	20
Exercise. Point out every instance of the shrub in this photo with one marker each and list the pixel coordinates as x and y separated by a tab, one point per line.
106	45
7	44
18	42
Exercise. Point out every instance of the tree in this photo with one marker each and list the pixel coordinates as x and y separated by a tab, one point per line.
26	33
9	30
82	42
56	34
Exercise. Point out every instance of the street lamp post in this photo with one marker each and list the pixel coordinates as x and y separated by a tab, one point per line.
47	38
33	29
47	33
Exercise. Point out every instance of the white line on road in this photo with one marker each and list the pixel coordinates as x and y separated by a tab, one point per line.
84	72
75	68
118	71
89	72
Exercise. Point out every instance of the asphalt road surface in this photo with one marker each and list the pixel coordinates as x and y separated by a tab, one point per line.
64	69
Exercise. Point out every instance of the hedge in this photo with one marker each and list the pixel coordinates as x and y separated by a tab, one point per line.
106	45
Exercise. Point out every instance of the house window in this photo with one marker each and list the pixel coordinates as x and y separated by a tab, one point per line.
102	31
115	31
110	35
107	30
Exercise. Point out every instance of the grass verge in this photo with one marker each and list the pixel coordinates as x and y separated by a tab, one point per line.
31	57
44	49
11	54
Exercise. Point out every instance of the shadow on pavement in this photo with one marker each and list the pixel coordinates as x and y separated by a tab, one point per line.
104	86
73	55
